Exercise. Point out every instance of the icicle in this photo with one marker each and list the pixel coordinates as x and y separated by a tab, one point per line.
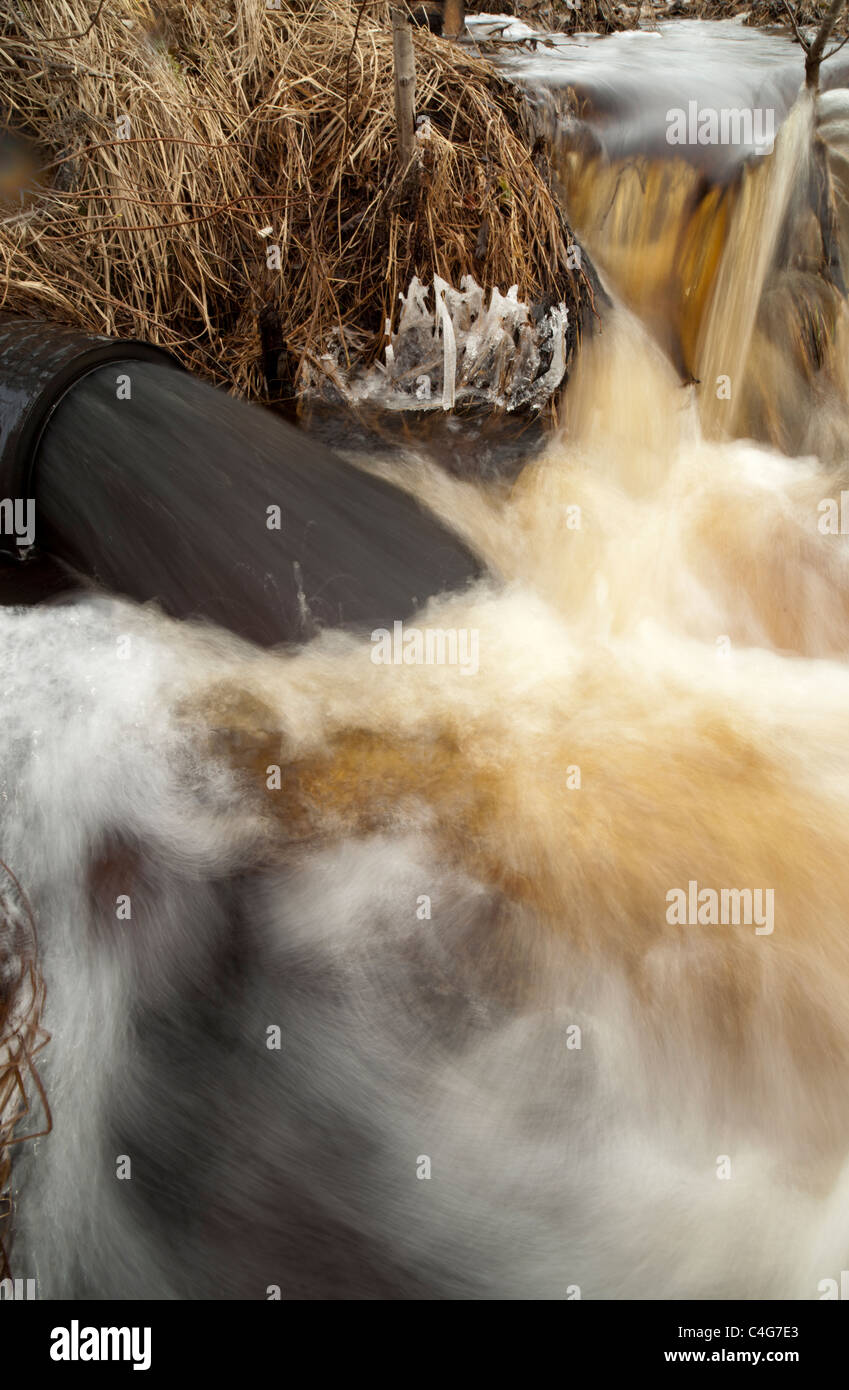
489	351
553	377
449	377
390	351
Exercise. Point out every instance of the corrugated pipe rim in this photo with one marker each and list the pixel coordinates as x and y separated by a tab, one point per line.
40	363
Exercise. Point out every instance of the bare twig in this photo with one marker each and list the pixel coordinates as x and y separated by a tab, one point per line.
817	49
836	49
155	226
64	38
800	37
361	11
143	140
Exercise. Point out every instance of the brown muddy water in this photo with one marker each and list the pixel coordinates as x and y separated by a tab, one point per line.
515	963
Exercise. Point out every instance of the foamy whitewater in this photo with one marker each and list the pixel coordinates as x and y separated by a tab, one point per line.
503	1071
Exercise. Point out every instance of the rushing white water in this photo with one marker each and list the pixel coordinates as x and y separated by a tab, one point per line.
454	904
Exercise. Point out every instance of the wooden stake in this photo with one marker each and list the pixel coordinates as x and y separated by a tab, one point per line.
453	18
405	85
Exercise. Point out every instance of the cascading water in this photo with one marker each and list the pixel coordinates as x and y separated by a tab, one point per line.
453	886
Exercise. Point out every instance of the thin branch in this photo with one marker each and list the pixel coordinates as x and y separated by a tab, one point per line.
346	133
836	49
360	14
817	48
796	30
144	140
63	38
75	194
160	226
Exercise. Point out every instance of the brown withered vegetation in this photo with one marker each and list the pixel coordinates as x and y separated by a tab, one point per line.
250	128
760	13
21	1039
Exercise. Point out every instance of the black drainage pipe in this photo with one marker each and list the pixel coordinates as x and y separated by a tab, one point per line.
39	363
157	486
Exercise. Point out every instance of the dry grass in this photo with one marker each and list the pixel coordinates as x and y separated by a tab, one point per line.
241	119
21	1039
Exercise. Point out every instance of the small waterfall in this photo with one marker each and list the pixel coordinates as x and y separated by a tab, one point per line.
539	890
